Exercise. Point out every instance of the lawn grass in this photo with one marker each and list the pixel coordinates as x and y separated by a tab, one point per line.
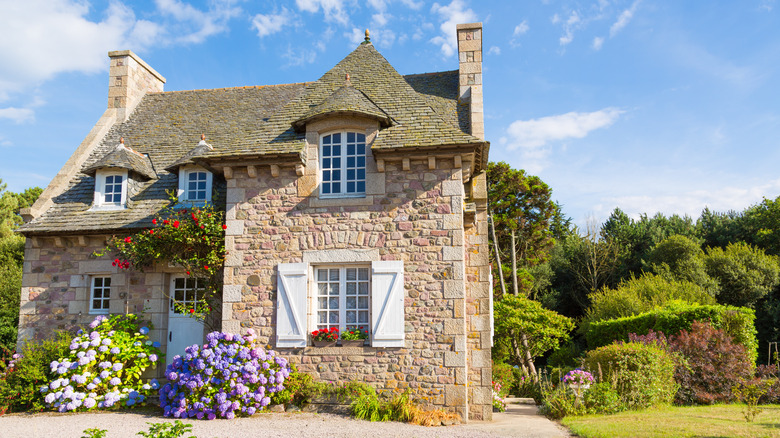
676	421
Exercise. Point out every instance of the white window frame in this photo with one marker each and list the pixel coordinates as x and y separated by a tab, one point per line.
343	169
99	202
104	300
184	193
342	324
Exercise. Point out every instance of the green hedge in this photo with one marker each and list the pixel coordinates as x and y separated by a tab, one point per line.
738	322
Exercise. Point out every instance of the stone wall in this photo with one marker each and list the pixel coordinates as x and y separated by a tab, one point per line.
56	287
417	217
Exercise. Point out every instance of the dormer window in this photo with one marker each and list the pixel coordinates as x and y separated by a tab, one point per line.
110	189
195	185
343	165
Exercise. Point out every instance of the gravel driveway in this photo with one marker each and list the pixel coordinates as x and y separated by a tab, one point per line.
295	425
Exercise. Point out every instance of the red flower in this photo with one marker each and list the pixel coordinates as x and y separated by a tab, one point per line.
166	221
193	217
334	329
127	239
224	226
188	272
192	310
206	267
151	231
154	221
314	333
175	224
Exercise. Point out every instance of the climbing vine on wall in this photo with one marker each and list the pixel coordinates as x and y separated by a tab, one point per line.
192	238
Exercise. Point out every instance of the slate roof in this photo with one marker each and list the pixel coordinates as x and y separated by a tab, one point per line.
418	110
124	158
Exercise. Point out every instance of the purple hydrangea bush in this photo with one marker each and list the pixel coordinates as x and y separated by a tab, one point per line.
226	377
104	368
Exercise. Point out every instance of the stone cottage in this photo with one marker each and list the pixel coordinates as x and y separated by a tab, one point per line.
356	199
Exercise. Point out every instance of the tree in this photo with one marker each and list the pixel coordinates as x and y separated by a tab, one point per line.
761	225
521	211
745	273
680	258
530	329
719	229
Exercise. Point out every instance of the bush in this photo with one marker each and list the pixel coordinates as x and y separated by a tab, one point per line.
713	365
104	367
299	389
567	356
22	376
642	294
504	375
226	378
768	373
559	402
737	322
602	398
642	374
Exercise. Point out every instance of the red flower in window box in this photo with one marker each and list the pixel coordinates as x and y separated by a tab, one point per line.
175	224
329	335
128	239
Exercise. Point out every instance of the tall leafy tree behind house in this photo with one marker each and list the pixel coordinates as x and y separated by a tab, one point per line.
11	259
521	211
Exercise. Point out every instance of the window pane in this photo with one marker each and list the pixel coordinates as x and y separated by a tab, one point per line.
335	188
322	303
351	303
322	274
334	289
333	318
362	303
326	139
351	318
336	139
351	274
361	187
350	137
361	138
323	317
322	288
363	273
363	289
334	275
363	317
98	282
350	149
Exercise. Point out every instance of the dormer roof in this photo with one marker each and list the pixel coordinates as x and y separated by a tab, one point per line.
201	149
346	101
123	157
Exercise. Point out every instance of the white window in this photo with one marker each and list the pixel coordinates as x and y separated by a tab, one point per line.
185	293
100	294
343	297
343	164
194	185
110	189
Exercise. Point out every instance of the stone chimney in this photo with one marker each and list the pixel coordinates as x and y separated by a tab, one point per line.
130	78
470	69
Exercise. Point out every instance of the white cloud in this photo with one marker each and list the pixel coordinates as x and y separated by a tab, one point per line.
298	57
692	202
17	115
380	19
521	28
572	24
624	18
205	23
534	133
597	43
494	50
333	9
270	23
57	36
451	15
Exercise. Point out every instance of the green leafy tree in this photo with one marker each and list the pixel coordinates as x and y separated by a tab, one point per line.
681	258
530	329
745	273
719	229
761	225
521	212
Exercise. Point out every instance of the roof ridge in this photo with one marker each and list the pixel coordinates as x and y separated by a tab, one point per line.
231	88
430	73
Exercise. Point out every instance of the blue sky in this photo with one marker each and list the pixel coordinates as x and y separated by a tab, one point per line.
650	106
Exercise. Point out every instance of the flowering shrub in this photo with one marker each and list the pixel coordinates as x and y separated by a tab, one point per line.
227	377
578	377
499	403
330	335
104	367
354	335
192	239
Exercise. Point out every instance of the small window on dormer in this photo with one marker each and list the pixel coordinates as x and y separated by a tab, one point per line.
194	185
110	189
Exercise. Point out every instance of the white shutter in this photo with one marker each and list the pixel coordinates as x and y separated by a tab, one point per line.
291	305
387	304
